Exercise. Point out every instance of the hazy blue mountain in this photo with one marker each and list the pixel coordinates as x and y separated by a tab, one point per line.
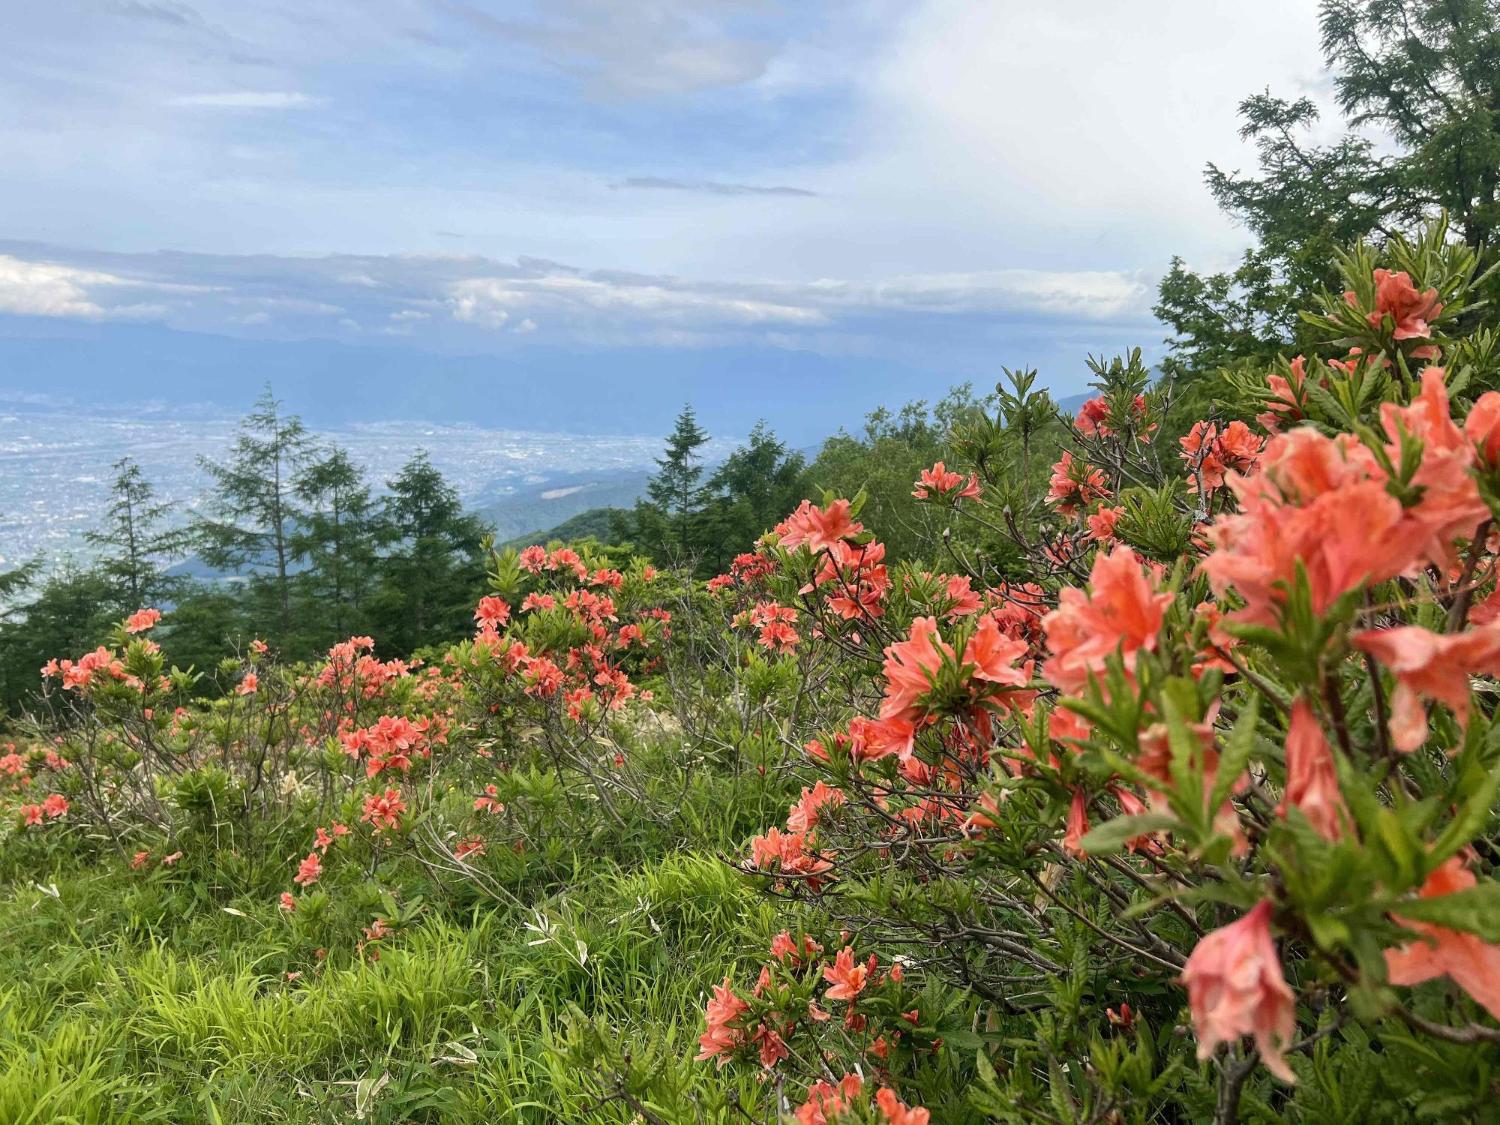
536	509
620	390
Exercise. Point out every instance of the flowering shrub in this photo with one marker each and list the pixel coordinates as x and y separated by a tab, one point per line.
1159	785
1216	755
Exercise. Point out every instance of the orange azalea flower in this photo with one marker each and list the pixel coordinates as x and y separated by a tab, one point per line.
1472	964
1122	612
1319	503
826	1103
142	620
896	1112
1312	783
1449	504
1102	523
909	668
720	1037
1482	428
847	978
943	481
818	528
1431	666
492	611
993	656
1398	298
1078	825
1075	484
308	870
1236	987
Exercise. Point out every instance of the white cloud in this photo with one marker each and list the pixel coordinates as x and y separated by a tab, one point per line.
1084	294
491	301
49	289
246	99
1077	131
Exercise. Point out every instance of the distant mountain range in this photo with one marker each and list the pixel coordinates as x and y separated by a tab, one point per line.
534	510
803	396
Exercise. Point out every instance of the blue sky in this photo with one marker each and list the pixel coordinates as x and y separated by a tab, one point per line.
926	190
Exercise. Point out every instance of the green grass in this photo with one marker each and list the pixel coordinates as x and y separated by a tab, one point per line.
129	999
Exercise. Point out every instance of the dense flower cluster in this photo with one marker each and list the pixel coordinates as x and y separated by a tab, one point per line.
1237	716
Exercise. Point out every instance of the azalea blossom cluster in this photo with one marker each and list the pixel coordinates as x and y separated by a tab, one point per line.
1271	701
802	992
567	600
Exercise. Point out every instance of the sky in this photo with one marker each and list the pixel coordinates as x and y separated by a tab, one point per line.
870	196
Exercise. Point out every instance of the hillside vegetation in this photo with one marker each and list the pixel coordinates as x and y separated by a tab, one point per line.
1134	764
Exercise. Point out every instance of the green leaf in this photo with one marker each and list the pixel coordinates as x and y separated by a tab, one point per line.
1112	834
1474	911
1236	754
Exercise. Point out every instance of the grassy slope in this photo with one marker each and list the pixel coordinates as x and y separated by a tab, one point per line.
152	996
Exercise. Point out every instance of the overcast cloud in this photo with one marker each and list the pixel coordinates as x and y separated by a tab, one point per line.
835	176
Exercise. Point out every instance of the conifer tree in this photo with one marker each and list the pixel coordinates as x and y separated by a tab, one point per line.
432	571
134	544
1426	75
338	538
668	523
254	509
753	490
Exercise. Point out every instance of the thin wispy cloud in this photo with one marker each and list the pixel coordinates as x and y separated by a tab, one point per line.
707	187
160	11
246	99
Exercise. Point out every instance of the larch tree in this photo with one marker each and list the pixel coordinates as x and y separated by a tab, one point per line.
254	510
1418	85
134	542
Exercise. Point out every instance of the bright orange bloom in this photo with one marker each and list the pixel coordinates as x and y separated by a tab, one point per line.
910	666
818	528
720	1037
308	870
1482	428
943	481
142	620
1210	450
826	1103
897	1113
492	611
804	814
1430	665
1448	505
249	685
384	811
1078	825
1398	298
1287	394
1319	503
1236	987
1472	964
847	978
994	654
1102	523
1312	783
1075	484
1122	612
